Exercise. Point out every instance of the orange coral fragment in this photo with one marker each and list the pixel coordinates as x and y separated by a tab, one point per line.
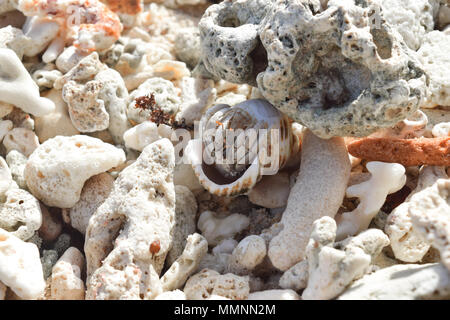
408	152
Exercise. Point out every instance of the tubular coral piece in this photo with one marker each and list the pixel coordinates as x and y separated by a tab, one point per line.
319	190
408	152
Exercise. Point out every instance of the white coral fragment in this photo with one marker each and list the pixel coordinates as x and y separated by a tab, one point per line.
215	229
20	266
186	264
130	234
331	269
58	168
408	244
18	88
66	283
208	283
386	178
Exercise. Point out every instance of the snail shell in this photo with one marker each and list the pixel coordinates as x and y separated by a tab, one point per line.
239	144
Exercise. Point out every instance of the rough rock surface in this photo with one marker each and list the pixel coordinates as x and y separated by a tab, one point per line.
378	82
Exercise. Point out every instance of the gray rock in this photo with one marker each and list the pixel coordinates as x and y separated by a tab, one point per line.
48	260
343	71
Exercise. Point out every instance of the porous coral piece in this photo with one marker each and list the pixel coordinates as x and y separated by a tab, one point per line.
186	264
408	152
20	213
171	295
435	60
293	52
402	282
95	191
331	270
312	197
430	216
96	96
248	253
18	88
386	178
22	140
57	122
164	96
215	228
58	168
207	283
66	283
229	39
185	221
412	19
142	207
20	267
407	242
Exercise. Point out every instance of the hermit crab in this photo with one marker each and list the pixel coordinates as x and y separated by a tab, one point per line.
235	146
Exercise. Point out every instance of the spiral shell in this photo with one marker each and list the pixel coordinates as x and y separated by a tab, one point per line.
238	145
